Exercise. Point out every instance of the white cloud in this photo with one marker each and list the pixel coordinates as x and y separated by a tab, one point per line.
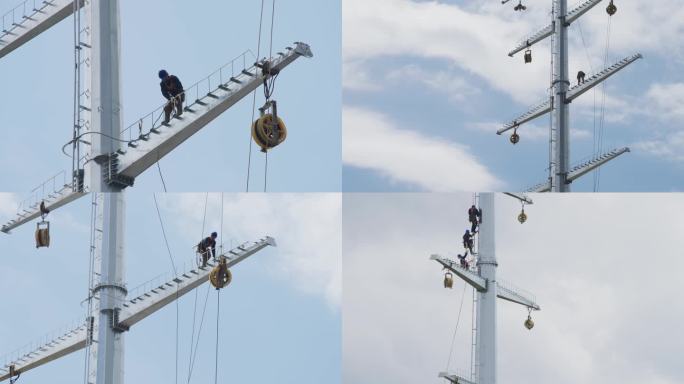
305	226
670	148
455	87
370	140
8	205
588	258
667	100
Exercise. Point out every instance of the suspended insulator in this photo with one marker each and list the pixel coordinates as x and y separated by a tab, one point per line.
529	324
611	9
220	276
522	217
266	134
448	280
519	7
43	234
528	56
515	138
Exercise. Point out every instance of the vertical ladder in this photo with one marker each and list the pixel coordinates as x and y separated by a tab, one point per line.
82	80
96	225
473	347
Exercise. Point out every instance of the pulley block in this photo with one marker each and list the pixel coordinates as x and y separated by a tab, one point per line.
519	7
448	280
529	324
266	133
528	56
515	138
220	276
43	234
522	217
611	9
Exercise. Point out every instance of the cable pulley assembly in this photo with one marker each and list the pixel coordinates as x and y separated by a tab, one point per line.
43	228
522	217
529	324
448	280
515	138
519	7
611	9
528	56
220	276
269	130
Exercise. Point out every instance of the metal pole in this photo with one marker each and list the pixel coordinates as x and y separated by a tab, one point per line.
106	120
561	83
486	310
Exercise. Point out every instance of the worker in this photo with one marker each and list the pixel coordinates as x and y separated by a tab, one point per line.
172	90
468	241
462	259
207	247
475	218
43	210
580	77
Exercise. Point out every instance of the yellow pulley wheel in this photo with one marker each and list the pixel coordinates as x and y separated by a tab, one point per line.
219	279
529	324
448	280
522	217
266	134
43	234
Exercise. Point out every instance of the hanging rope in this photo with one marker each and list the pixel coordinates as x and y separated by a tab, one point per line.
216	352
603	104
458	321
160	175
269	88
199	332
173	265
258	57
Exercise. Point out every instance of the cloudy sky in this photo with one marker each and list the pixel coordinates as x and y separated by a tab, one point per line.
427	84
191	40
604	269
280	317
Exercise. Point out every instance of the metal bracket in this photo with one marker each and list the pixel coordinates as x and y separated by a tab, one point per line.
111	174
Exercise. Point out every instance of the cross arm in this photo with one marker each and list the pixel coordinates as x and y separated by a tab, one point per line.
600	77
454	378
25	22
154	299
53	201
63	345
548	30
531	114
468	276
509	293
158	141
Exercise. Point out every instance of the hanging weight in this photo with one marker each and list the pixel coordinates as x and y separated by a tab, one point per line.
448	280
266	134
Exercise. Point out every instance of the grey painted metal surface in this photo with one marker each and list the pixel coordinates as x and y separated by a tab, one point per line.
29	19
135	309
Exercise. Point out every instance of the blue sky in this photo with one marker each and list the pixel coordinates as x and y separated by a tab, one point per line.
191	40
428	83
280	317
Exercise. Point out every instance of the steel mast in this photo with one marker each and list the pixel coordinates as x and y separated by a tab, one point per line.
484	280
561	175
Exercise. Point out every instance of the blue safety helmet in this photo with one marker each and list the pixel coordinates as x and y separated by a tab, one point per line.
214	234
163	74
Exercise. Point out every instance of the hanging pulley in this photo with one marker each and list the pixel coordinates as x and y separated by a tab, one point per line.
529	324
528	56
43	228
515	138
220	276
522	217
611	9
448	280
519	7
268	130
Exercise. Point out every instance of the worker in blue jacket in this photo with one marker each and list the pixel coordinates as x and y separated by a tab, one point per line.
172	90
207	248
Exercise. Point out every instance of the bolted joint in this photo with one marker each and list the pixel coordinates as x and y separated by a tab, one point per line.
113	319
110	171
